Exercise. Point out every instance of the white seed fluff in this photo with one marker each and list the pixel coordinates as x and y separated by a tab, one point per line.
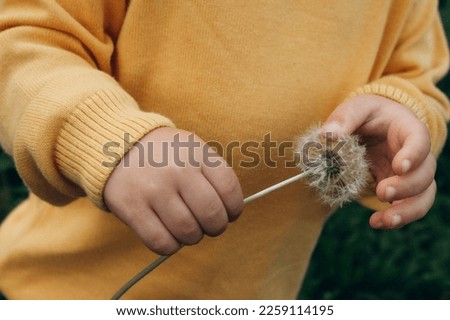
336	168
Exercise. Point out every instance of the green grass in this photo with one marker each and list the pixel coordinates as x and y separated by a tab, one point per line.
351	260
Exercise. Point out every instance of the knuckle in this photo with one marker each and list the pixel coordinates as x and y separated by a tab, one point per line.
185	229
152	190
213	220
233	197
423	183
189	233
229	187
162	245
216	230
213	210
412	190
193	239
430	196
236	208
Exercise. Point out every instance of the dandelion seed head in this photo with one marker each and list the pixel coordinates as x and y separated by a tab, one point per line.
336	168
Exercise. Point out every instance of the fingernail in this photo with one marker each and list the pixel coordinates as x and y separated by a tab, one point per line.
390	193
396	220
406	165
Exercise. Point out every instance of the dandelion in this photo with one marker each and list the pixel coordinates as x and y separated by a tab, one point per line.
336	168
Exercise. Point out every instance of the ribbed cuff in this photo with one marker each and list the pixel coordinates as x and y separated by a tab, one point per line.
97	135
394	94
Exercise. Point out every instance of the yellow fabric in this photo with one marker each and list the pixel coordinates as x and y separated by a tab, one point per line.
78	74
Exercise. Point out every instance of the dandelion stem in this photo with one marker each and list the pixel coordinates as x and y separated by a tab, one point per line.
139	276
161	259
274	187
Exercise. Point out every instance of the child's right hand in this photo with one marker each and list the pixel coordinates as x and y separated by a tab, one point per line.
171	205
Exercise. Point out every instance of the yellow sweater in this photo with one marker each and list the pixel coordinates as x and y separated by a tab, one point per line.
78	74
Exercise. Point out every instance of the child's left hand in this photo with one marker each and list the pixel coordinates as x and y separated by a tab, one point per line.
398	146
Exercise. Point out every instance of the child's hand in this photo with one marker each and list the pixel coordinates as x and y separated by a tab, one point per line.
176	203
398	146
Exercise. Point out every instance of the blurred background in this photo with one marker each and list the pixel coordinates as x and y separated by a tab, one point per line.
352	261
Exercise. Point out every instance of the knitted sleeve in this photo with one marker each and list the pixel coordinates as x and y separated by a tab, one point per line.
420	59
59	104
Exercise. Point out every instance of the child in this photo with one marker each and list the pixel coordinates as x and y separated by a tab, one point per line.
83	82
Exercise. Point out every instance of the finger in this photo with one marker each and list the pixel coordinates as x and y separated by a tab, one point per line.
178	219
153	232
410	184
226	184
405	211
344	119
206	206
415	147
